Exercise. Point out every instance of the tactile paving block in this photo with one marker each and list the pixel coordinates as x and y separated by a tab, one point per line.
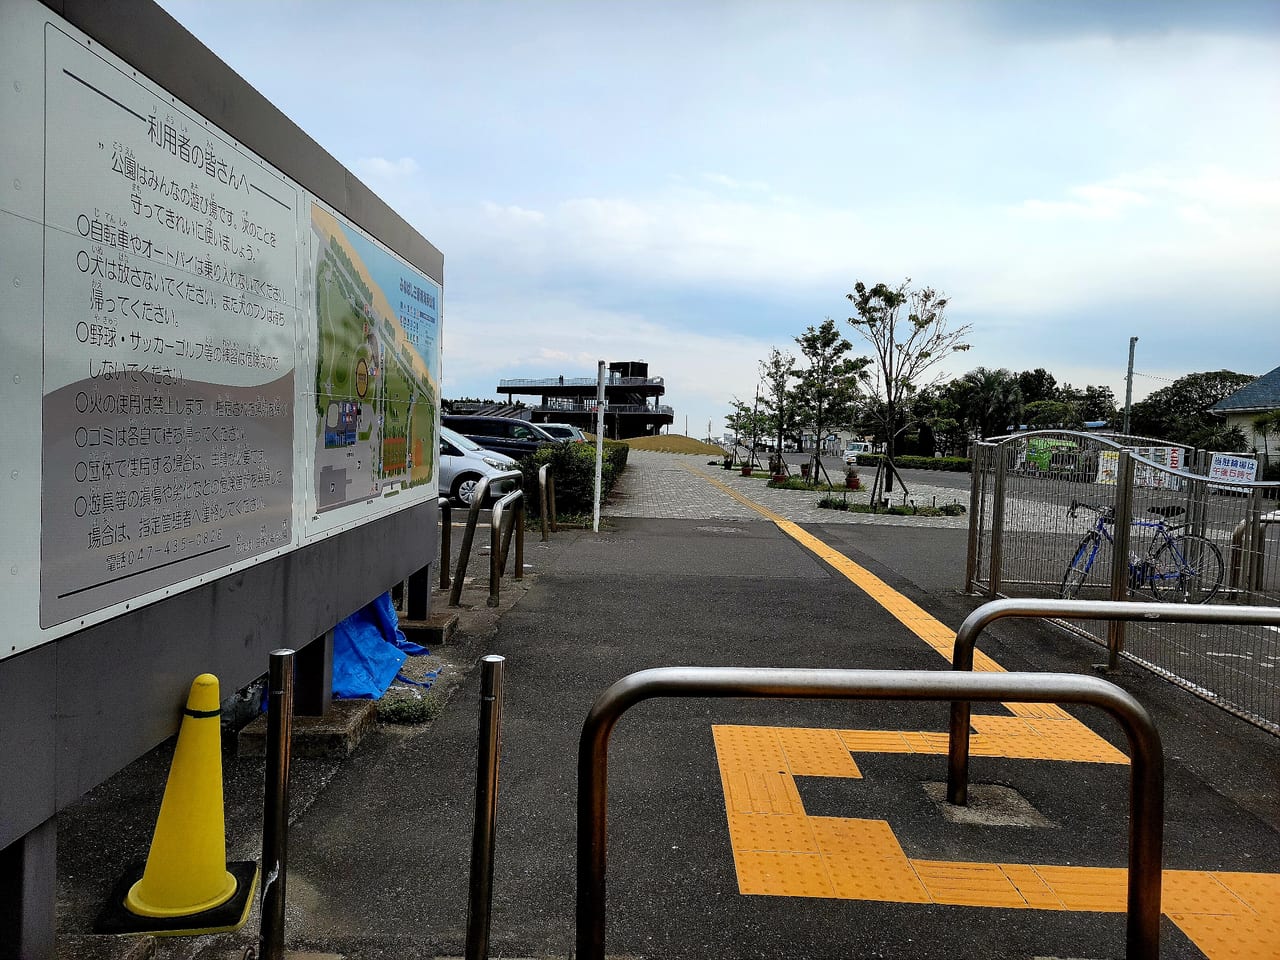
1249	937
886	881
967	884
927	743
874	741
782	874
1101	889
1039	711
816	753
1031	886
775	833
1196	891
869	839
1259	891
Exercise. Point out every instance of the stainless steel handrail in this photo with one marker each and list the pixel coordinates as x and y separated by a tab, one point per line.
1110	610
1146	772
498	544
478	498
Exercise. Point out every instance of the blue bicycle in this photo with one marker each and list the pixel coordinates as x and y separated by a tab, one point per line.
1178	567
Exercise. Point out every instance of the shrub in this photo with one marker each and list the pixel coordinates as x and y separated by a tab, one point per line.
951	464
573	466
953	509
833	503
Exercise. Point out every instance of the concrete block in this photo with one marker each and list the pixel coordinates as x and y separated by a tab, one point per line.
332	736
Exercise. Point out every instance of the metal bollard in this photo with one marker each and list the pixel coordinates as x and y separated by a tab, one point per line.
480	890
275	819
542	497
446	542
519	525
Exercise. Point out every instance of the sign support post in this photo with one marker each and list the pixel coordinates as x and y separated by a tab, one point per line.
595	513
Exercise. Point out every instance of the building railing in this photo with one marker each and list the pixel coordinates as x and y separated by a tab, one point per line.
570	406
541	382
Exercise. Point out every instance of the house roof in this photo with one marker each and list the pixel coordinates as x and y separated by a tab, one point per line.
1261	395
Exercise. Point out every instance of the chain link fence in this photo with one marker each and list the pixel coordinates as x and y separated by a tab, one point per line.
1075	515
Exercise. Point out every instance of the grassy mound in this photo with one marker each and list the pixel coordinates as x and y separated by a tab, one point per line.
674	443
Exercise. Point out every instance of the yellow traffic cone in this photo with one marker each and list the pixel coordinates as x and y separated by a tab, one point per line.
186	885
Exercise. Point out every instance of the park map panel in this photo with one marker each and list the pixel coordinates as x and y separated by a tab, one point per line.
376	386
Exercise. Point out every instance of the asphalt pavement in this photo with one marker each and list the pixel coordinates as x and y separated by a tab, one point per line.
756	828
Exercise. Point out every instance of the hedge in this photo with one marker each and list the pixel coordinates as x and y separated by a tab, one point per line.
951	464
573	467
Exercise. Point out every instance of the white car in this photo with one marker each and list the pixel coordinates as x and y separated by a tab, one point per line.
852	449
463	463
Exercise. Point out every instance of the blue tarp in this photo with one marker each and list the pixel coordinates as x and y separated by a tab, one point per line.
368	651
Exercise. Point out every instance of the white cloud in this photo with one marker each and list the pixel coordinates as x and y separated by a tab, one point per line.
1092	202
512	216
723	180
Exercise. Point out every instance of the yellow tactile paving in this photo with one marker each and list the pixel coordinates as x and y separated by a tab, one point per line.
1259	891
775	833
1037	894
1098	889
782	874
967	884
780	851
874	741
816	753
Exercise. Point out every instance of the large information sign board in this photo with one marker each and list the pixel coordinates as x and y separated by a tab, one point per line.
229	367
170	305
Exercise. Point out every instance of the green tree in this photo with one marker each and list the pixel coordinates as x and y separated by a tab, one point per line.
777	373
991	401
1099	403
1037	384
743	419
1266	426
1180	411
827	391
903	349
1052	414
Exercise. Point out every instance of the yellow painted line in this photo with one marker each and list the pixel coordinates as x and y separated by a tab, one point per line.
1087	746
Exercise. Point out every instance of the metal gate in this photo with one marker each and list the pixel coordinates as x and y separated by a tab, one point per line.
1082	516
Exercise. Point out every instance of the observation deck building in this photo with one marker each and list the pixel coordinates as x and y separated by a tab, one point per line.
633	405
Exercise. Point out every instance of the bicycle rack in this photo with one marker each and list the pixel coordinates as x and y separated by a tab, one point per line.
468	535
1146	771
1111	610
499	543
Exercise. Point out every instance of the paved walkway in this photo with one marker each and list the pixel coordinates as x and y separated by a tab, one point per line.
688	487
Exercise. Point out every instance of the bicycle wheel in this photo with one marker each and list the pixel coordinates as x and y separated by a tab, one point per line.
1186	569
1081	564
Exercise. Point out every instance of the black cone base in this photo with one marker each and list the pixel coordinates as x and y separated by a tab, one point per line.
232	915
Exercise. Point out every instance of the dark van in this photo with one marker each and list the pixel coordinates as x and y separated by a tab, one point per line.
515	438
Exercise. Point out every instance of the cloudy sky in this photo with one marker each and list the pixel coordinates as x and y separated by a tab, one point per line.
693	183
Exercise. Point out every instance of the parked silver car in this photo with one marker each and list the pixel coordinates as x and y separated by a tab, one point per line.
463	463
564	431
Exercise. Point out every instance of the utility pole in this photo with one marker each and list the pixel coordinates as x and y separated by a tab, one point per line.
1128	386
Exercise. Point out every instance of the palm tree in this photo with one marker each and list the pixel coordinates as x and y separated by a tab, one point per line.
1266	425
992	400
